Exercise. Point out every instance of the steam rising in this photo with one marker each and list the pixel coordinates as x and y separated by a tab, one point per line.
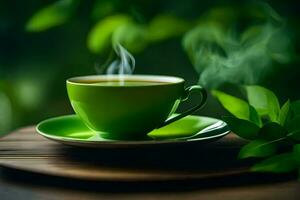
121	62
222	55
124	65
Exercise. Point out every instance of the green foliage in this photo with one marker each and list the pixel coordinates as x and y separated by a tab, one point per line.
277	164
272	131
111	26
163	27
53	15
100	36
237	107
278	125
257	148
218	52
254	117
243	128
134	36
264	101
285	112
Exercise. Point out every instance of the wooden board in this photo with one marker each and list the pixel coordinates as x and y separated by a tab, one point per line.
25	150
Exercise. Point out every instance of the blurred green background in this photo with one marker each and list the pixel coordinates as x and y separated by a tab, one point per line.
213	43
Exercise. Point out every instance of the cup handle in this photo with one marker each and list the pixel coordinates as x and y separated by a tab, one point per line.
188	91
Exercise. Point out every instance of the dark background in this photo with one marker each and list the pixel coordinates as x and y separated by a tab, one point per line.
35	65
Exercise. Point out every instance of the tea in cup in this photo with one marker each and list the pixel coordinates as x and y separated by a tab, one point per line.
129	106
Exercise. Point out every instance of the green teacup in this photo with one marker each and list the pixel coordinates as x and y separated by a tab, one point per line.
129	106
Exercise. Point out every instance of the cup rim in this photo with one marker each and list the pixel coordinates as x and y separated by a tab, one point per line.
163	80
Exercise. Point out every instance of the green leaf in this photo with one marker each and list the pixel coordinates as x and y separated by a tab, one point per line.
295	135
258	148
264	101
242	128
237	107
284	114
128	35
277	164
166	26
294	124
254	117
53	15
295	107
99	37
272	131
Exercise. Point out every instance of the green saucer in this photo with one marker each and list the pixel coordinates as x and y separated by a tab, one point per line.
71	130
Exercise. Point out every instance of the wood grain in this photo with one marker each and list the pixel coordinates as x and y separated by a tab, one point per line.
25	150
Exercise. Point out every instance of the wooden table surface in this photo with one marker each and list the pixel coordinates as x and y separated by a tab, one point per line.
15	184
